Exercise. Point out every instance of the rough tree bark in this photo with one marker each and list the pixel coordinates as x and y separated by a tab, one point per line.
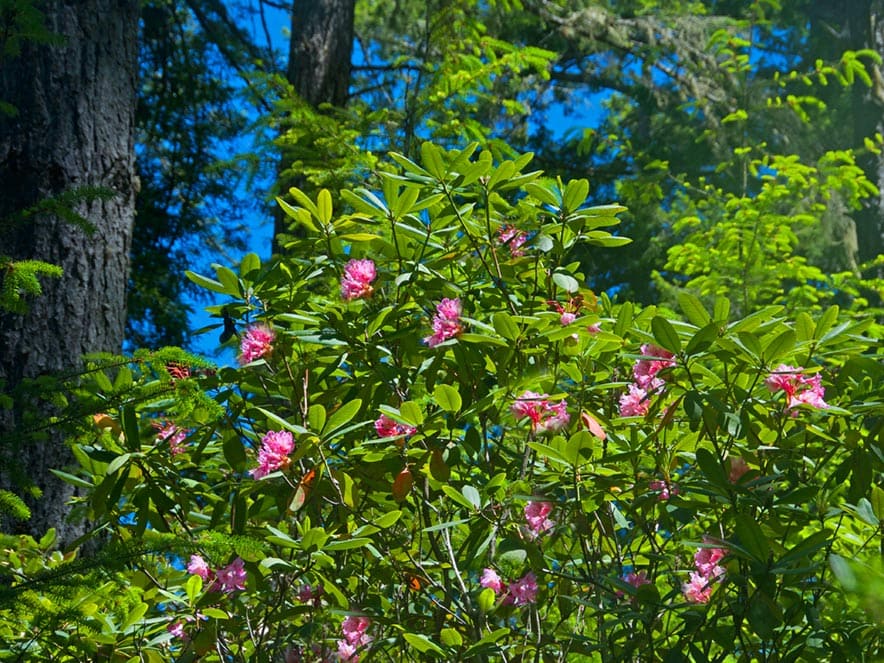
74	128
319	56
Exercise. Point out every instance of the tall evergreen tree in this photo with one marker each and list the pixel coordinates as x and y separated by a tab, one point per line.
71	136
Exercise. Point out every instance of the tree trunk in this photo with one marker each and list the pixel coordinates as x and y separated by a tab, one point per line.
319	57
73	128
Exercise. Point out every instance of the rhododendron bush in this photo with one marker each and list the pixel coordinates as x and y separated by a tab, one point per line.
439	445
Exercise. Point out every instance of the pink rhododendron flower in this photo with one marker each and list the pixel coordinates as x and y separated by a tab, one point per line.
636	579
634	403
173	435
567	318
257	342
176	628
387	427
491	580
356	282
232	577
512	238
308	593
536	514
524	590
446	322
545	416
198	567
666	490
698	589
594	328
645	370
799	389
706	560
354	628
274	453
347	652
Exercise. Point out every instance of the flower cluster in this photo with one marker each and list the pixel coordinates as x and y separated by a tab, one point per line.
256	342
227	579
512	238
536	516
355	637
664	489
167	431
799	389
358	275
274	453
699	588
446	322
545	416
387	427
645	383
636	579
519	592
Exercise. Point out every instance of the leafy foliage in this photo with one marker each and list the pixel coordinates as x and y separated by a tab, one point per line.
483	492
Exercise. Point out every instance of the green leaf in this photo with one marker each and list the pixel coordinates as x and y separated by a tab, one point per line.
129	421
544	193
279	421
804	327
324	206
229	279
450	637
192	588
472	496
316	418
71	479
206	282
702	340
250	263
546	451
234	453
421	642
411	413
457	497
825	322
566	282
447	397
297	214
487	598
693	309
751	537
347	544
505	325
782	344
711	468
575	194
431	156
721	310
388	519
665	334
117	463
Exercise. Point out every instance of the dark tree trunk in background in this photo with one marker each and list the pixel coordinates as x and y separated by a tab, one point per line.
320	49
855	25
74	128
319	55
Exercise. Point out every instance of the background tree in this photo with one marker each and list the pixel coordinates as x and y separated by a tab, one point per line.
69	139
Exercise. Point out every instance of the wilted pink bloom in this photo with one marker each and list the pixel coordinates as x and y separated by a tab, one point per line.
356	282
698	589
446	322
256	342
354	628
387	427
174	435
274	453
544	415
737	468
645	370
567	318
512	238
491	580
232	577
524	590
665	489
536	514
198	567
594	328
